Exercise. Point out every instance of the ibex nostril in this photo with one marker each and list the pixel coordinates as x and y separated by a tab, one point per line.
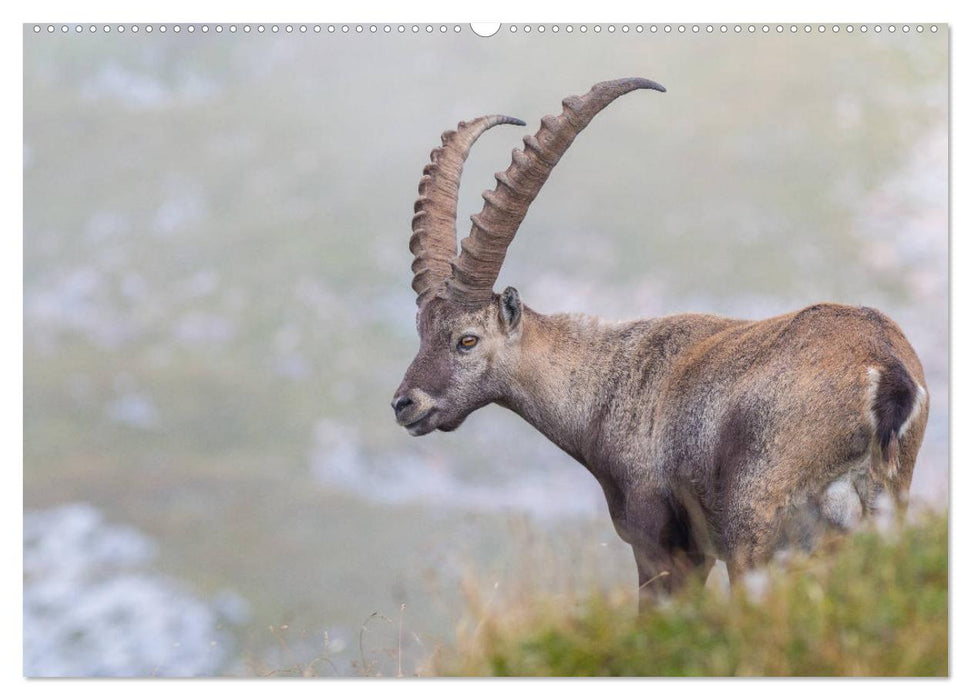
400	403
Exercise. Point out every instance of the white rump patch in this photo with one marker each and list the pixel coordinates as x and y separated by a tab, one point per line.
873	375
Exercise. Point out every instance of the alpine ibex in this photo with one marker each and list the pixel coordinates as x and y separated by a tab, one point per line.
711	437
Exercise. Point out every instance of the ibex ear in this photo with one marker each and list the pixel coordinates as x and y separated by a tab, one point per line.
510	308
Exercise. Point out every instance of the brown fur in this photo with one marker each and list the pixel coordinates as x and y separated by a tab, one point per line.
707	434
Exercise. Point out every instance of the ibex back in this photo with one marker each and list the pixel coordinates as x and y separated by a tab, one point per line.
711	437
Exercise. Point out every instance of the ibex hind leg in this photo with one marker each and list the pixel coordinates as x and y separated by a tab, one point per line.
867	491
772	525
762	519
753	546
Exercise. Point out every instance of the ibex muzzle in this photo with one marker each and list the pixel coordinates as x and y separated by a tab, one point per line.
711	437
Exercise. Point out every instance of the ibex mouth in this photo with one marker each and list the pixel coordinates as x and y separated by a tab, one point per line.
422	426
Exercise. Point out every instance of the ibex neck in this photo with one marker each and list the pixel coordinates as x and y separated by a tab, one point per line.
557	381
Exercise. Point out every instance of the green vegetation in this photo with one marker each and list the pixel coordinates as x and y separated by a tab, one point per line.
873	605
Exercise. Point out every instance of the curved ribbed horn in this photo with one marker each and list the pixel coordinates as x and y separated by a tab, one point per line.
433	226
475	270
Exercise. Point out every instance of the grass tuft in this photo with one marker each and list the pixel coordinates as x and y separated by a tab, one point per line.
874	604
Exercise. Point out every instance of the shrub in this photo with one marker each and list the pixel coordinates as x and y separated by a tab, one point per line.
869	605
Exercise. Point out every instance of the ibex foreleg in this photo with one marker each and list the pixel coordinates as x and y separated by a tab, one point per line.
667	552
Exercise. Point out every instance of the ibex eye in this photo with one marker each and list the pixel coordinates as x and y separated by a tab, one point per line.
467	341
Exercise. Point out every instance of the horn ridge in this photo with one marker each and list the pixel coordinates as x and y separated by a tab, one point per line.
433	241
483	251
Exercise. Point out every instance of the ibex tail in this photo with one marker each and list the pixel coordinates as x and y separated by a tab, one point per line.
896	401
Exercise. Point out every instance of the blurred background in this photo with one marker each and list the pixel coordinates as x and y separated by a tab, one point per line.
217	310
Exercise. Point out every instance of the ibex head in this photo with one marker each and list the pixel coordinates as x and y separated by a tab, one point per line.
470	335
